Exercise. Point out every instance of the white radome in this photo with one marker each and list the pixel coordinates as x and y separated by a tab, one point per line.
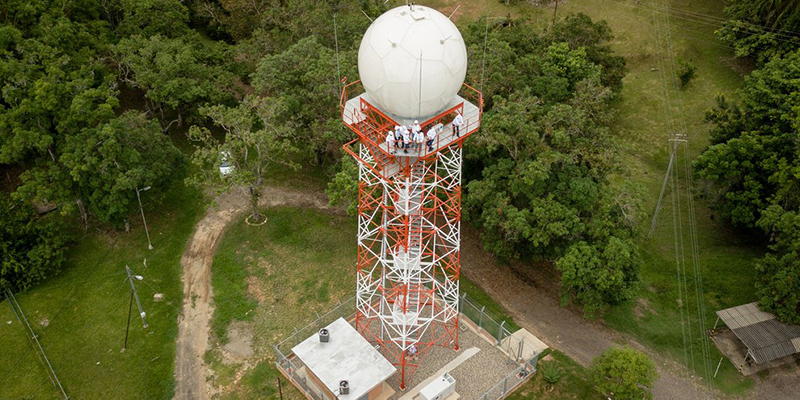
389	61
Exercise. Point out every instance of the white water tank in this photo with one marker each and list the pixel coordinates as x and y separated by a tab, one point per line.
439	389
412	61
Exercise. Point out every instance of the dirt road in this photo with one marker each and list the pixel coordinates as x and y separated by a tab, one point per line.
193	323
532	302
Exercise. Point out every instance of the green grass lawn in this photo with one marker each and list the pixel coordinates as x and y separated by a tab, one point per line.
80	315
275	277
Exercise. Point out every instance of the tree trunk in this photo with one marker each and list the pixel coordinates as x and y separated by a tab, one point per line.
254	193
555	12
84	214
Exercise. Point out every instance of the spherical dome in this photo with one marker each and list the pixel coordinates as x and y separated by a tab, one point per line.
412	61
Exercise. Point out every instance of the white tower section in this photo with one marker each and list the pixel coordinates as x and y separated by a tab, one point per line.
412	62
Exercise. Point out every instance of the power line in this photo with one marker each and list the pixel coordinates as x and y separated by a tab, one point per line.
715	21
35	341
693	243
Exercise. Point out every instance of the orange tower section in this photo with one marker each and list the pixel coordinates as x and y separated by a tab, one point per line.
409	227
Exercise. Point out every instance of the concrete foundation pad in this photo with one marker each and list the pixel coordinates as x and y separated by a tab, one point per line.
531	344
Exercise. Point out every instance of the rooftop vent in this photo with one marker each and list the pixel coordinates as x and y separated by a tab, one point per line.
324	336
344	387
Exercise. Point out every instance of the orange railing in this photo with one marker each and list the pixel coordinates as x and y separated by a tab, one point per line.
371	124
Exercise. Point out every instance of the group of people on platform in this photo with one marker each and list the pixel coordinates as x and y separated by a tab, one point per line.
411	137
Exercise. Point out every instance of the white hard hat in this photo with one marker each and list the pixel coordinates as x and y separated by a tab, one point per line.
416	122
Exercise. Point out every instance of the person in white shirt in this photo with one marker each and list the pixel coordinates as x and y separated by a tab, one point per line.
406	139
416	128
431	138
390	141
458	121
419	137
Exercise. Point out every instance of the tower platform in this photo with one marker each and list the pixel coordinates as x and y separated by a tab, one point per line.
361	116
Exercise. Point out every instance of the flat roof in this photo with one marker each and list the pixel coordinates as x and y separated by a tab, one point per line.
346	356
766	338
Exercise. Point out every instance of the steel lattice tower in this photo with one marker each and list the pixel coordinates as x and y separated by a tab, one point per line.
409	228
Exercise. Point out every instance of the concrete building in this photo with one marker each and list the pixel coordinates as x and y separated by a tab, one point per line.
346	356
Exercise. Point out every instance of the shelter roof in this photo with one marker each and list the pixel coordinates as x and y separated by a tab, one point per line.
766	338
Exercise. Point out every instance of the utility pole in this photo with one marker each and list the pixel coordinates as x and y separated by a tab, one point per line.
674	140
146	188
135	295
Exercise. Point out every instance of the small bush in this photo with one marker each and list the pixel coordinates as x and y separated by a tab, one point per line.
551	373
686	71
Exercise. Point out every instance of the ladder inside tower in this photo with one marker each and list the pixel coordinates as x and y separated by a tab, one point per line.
407	306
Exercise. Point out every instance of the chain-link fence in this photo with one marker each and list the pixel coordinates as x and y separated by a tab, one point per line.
345	309
299	379
512	381
471	316
483	322
283	350
502	335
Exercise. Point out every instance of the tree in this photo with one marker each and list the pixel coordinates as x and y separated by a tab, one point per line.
624	373
168	18
599	275
31	247
343	187
752	157
686	72
252	143
580	31
539	182
762	29
278	24
303	79
176	74
109	163
778	284
54	84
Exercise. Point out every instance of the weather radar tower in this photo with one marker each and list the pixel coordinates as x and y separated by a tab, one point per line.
412	62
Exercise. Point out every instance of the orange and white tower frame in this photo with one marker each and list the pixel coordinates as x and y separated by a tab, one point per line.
409	228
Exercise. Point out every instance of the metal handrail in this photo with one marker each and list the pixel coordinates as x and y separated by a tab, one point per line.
371	115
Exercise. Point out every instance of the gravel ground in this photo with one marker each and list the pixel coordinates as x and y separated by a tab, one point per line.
473	377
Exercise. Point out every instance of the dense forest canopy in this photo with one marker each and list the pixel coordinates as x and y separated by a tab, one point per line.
762	29
538	175
270	77
753	161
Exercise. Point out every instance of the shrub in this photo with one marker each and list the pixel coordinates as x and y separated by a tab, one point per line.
624	373
551	373
686	71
